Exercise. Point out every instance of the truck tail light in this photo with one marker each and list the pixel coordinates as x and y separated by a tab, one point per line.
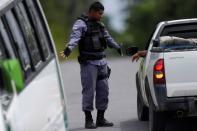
159	72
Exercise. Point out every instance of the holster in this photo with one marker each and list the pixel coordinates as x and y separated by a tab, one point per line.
108	71
104	76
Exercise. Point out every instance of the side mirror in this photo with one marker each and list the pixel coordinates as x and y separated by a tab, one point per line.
11	73
132	50
156	42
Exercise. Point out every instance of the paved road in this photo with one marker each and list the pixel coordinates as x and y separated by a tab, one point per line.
122	108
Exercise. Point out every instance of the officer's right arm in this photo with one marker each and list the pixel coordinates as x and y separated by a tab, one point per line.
77	30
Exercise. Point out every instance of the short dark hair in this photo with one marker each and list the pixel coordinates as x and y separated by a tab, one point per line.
97	6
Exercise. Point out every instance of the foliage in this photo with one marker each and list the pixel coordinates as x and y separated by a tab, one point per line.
141	22
145	15
60	15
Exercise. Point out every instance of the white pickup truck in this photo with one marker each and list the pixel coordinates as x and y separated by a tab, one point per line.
167	77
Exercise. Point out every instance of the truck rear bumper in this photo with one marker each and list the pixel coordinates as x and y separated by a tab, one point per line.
184	104
188	105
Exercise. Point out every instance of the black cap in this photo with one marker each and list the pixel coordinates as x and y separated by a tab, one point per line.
97	6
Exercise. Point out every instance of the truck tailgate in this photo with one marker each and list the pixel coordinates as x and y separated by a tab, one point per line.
181	73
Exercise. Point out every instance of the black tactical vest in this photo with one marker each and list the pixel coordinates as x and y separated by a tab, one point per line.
92	40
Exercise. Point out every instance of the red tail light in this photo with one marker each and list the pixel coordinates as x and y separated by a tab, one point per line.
159	72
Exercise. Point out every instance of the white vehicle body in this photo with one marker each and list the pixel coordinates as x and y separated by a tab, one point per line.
2	122
41	104
177	92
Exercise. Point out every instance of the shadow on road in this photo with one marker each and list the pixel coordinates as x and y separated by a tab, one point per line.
78	129
186	124
134	125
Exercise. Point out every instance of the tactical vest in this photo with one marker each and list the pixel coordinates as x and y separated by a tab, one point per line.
93	42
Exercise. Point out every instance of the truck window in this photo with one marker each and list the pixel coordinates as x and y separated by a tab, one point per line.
34	16
19	42
181	30
29	35
176	43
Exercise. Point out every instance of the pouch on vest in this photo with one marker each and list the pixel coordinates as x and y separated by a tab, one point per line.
96	42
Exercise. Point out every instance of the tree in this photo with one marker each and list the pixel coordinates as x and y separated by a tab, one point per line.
60	15
145	15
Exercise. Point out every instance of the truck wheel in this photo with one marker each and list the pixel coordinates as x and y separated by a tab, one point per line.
157	120
142	110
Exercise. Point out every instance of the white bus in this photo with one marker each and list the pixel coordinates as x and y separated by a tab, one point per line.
31	91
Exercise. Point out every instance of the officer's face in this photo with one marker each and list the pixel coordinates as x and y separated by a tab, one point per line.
96	15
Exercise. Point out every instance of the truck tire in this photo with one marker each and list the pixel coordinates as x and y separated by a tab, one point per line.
142	110
157	120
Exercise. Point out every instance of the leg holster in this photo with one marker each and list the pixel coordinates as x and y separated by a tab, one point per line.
104	76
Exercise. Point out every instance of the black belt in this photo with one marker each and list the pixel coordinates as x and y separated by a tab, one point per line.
84	58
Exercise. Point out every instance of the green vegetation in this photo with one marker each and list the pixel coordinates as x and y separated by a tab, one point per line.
145	15
61	14
142	19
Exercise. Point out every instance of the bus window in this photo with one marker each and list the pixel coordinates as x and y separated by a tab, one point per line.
19	42
38	25
2	50
6	40
32	100
6	95
29	35
2	57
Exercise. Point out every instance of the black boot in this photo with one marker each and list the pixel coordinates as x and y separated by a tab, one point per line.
101	121
89	124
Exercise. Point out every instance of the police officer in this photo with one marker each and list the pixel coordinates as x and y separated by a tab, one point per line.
92	38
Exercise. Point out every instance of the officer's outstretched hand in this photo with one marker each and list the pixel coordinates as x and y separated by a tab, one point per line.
65	53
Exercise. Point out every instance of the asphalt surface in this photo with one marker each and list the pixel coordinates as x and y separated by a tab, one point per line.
122	107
